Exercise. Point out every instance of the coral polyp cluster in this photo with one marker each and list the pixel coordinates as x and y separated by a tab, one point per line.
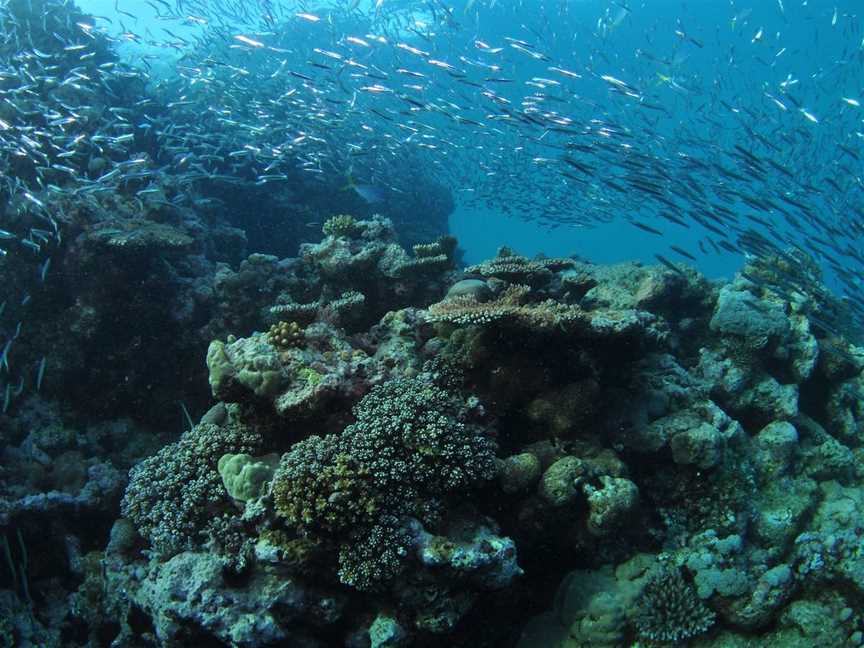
342	225
283	335
408	453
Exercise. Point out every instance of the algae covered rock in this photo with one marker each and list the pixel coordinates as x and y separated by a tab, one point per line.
190	596
809	622
611	504
591	608
518	472
386	632
774	449
246	477
745	390
701	445
560	483
697	434
781	508
802	348
832	548
563	410
740	313
472	551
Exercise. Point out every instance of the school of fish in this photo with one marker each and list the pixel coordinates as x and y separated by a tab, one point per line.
524	108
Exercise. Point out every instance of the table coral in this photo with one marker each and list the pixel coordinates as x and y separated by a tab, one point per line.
517	269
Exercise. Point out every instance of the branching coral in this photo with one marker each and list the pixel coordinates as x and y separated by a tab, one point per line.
414	437
409	450
323	491
173	497
375	555
670	611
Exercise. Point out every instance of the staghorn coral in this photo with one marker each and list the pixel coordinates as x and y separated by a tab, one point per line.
333	310
287	307
669	611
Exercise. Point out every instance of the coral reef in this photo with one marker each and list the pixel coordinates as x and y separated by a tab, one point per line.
594	455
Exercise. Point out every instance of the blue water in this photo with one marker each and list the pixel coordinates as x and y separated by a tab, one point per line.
723	61
749	48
